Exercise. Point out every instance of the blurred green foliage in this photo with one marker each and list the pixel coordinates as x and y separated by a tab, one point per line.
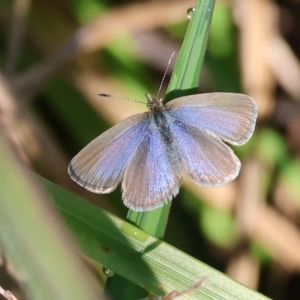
84	11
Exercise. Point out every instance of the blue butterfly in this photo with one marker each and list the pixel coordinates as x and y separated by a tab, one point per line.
149	152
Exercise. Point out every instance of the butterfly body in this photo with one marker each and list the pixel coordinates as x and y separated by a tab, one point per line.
149	152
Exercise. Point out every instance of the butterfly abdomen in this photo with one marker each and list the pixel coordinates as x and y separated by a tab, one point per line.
163	124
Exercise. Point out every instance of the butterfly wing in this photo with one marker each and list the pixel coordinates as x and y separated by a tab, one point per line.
152	178
229	116
208	160
100	166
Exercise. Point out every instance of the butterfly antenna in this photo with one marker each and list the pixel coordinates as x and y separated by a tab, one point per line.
122	98
162	81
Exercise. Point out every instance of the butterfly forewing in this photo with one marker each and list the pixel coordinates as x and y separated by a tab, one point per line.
229	116
100	166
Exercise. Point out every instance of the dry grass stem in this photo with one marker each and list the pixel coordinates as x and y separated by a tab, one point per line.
257	22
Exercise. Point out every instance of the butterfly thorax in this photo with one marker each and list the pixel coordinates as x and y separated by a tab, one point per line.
157	111
154	105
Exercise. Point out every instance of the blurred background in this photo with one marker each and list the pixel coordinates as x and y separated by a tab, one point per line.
56	56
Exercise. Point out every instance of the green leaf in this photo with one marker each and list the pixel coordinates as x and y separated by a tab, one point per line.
184	81
35	241
137	256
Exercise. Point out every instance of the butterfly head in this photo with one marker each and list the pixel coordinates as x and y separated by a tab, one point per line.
154	104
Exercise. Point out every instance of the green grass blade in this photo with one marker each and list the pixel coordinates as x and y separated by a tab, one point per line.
186	74
34	240
184	81
137	256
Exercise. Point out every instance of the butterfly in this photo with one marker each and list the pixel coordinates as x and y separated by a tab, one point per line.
149	152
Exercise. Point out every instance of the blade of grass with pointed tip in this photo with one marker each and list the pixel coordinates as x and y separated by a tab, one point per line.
184	81
138	256
35	240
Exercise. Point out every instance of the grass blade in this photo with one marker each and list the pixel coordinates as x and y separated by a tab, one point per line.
143	259
184	81
34	239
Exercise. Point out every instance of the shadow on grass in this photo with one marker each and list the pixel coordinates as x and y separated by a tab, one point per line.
101	238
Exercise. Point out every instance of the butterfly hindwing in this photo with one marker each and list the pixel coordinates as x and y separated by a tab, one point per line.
208	160
152	177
